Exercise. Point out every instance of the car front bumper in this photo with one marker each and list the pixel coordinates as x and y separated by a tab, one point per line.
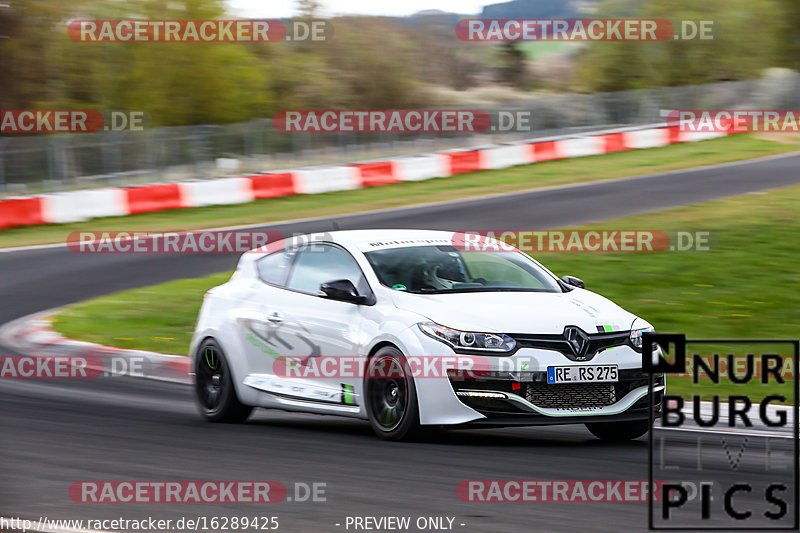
515	392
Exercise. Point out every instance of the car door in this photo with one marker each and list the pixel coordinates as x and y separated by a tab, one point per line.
317	328
259	317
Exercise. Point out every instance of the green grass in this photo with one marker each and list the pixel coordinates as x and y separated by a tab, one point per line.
746	286
594	168
159	318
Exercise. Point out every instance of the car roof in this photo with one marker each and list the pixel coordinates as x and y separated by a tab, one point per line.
375	239
361	240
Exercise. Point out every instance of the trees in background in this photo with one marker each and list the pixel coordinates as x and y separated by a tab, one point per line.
749	37
371	62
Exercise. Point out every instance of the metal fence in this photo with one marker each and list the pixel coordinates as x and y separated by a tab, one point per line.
45	163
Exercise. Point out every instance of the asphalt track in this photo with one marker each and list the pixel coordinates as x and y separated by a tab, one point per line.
57	432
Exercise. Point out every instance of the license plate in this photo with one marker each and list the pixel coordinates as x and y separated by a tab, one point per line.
582	374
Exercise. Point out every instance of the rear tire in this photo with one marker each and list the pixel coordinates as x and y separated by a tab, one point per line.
213	384
391	397
619	431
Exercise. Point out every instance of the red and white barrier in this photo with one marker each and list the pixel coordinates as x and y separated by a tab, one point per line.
20	212
422	167
615	142
327	179
152	198
378	173
464	161
83	205
582	146
546	151
221	191
76	206
272	185
505	156
649	138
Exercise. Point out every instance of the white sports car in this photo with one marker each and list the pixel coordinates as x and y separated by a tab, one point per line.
407	329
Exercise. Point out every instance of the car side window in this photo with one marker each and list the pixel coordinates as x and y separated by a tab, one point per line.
319	263
274	268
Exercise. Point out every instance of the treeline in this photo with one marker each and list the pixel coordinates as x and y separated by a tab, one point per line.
749	38
371	62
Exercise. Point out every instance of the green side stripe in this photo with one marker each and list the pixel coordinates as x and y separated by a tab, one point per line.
348	394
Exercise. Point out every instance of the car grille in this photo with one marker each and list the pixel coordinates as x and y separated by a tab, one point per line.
598	342
571	395
542	394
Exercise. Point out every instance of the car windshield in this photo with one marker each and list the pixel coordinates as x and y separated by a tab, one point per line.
441	269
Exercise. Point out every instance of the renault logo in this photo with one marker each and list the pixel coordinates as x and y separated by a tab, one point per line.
578	340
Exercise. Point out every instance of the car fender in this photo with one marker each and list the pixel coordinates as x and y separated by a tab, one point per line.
218	321
436	401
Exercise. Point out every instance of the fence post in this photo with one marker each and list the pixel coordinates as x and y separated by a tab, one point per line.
52	161
105	154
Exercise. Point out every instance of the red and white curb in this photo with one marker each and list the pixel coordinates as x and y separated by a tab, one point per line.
34	335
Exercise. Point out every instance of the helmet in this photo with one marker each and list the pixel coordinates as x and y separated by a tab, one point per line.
444	273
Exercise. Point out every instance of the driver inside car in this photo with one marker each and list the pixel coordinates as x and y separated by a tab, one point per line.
442	274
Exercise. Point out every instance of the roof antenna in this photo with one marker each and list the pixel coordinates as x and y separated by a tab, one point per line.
335	226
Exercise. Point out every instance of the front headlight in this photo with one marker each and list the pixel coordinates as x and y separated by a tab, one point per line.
468	340
636	336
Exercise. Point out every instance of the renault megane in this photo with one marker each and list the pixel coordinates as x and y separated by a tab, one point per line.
411	330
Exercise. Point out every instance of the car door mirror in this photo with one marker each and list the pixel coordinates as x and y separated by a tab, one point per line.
342	290
572	280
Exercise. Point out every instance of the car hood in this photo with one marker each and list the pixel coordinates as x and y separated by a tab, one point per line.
518	312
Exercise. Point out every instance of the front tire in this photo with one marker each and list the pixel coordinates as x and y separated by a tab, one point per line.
214	389
390	396
619	431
